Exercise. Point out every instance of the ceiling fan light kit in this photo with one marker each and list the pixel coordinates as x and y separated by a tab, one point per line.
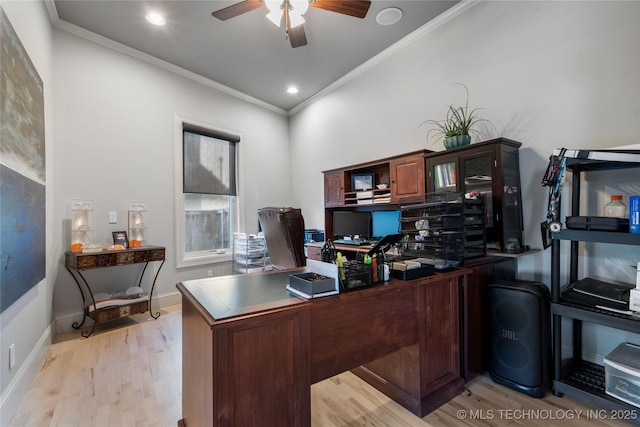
278	9
292	10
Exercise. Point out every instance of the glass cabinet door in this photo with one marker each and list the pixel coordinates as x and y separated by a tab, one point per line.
492	169
478	177
444	176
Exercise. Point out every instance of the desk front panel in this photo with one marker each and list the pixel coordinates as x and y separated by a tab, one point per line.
426	374
353	328
252	371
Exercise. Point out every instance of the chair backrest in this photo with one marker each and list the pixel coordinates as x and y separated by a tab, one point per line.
283	230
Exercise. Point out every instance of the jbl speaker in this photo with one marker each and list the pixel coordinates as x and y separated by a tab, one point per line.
519	336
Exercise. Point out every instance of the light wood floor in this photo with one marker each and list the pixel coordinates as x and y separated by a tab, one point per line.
130	375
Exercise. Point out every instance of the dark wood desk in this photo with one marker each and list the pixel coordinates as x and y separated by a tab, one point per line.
251	350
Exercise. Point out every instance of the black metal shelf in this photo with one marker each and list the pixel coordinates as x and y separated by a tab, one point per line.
615	237
582	379
586	382
602	160
597	315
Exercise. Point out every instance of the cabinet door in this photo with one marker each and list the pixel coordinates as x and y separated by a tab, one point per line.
407	179
334	188
492	169
443	174
478	171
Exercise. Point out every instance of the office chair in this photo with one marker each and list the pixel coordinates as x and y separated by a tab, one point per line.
283	230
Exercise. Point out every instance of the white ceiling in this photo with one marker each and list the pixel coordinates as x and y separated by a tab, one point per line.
248	53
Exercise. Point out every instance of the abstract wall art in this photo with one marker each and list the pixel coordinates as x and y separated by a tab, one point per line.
22	170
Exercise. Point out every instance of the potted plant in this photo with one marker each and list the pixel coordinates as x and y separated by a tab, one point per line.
456	129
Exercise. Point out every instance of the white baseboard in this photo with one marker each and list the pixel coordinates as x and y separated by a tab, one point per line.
63	323
19	385
586	355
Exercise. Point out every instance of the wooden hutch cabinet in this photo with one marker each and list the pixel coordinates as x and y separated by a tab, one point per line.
403	174
334	188
491	168
407	178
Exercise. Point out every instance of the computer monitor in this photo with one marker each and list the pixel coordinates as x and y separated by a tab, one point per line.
349	224
384	223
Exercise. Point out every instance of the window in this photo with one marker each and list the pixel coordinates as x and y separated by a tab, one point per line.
207	203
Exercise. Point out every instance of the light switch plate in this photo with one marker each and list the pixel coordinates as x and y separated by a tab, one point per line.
113	217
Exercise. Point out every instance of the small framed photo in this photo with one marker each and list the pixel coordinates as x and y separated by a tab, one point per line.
120	238
363	181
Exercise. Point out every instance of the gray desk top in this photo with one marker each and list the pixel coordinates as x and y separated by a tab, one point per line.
231	296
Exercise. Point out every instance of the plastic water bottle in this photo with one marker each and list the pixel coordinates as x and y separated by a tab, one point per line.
634	214
615	208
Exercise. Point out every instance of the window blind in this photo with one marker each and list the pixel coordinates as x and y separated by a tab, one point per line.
209	161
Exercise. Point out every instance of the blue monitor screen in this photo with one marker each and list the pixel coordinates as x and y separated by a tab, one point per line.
385	223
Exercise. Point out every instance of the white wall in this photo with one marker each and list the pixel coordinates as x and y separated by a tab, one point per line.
547	74
114	133
26	323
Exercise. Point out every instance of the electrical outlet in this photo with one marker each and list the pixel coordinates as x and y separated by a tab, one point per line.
12	356
113	217
209	273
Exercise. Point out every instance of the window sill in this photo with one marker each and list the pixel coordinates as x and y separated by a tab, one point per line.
205	258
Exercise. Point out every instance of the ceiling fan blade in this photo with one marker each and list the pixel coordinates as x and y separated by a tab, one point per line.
297	36
357	8
237	9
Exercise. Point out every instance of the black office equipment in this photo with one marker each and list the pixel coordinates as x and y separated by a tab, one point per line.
447	228
313	235
351	242
284	233
519	336
385	244
350	224
593	293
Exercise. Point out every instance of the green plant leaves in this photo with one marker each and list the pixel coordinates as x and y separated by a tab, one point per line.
459	121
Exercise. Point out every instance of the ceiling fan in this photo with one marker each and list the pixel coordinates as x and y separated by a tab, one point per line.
291	12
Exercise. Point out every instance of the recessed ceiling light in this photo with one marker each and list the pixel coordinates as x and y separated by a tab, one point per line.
292	89
155	18
389	16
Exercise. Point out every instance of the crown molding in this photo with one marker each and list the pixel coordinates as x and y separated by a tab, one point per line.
418	34
111	44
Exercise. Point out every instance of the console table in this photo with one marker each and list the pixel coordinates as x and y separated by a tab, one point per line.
251	349
76	262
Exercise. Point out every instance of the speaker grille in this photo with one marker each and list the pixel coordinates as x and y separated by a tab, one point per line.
519	334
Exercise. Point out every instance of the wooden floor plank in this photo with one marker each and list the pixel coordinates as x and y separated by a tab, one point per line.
129	374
